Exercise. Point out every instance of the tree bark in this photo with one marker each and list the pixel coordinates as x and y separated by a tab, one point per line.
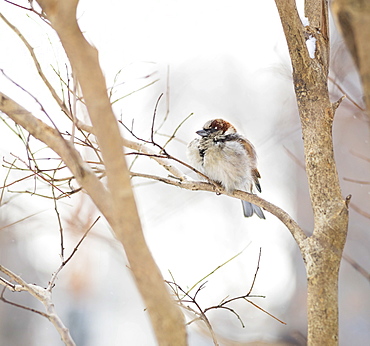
322	251
166	317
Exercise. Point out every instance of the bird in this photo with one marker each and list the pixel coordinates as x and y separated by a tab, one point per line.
227	158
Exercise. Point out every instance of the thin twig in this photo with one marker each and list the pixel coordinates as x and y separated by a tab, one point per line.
37	64
64	263
7	284
164	153
255	274
176	129
153	120
32	96
22	7
357	267
133	92
360	211
362	182
59	223
4	184
185	297
81	240
167	100
217	268
192	300
20	220
38	174
263	310
2	298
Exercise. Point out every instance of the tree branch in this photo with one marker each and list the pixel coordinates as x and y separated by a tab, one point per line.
52	138
44	296
38	66
123	216
283	216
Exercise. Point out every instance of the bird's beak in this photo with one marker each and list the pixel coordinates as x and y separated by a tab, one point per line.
202	133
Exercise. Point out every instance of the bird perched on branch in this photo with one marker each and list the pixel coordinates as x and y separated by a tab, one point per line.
227	158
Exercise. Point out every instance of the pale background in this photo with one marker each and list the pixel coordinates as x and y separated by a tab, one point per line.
225	60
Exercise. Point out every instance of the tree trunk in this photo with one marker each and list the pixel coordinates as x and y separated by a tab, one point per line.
322	294
322	251
166	317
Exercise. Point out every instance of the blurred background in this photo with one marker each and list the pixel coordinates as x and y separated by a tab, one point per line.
212	60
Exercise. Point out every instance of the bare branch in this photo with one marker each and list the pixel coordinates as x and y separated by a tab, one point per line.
17	5
55	275
81	240
362	182
153	120
255	274
356	208
36	173
214	270
2	298
167	100
201	315
346	95
283	216
20	220
168	321
266	312
8	284
59	145
32	96
185	297
358	267
133	92
82	172
176	129
37	65
44	296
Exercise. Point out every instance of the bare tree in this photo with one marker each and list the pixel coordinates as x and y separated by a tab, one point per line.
322	251
167	320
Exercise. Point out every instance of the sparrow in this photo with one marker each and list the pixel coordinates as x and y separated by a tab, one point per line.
228	158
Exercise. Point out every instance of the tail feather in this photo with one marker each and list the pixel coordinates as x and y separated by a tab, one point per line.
250	209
